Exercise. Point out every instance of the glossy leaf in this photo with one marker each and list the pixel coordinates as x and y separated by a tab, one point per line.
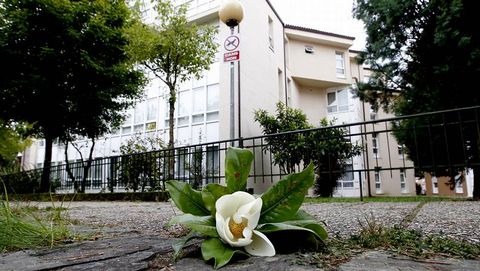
180	243
282	201
211	193
313	228
204	225
221	253
237	167
187	200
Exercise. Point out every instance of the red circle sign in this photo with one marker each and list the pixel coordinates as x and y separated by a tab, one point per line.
231	43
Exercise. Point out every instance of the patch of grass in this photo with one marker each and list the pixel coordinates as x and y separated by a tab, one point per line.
383	199
398	240
28	227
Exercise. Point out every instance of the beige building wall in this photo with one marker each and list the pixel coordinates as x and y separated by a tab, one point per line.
440	186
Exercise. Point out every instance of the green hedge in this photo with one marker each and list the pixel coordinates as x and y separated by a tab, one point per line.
126	196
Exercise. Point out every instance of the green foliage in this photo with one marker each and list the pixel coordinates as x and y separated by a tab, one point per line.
211	193
68	73
282	201
405	40
12	141
237	168
173	49
22	182
221	253
140	165
196	169
280	209
20	228
326	148
187	200
288	150
203	225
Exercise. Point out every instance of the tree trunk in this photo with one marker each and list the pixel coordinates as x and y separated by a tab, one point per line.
171	126
47	161
86	168
67	164
476	182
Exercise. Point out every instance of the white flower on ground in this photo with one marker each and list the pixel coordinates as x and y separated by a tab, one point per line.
236	218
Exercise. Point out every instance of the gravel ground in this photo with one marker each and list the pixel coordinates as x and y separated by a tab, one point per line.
459	220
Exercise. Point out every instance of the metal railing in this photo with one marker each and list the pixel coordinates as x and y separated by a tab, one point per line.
441	143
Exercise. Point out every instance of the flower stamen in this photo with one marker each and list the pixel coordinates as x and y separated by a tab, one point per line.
237	228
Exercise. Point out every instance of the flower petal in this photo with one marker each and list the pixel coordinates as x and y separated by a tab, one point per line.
226	206
222	227
240	242
260	246
251	212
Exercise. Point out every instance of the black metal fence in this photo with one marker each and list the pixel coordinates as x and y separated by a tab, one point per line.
442	143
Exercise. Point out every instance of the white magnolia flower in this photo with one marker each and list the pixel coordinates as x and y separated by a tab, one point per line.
237	217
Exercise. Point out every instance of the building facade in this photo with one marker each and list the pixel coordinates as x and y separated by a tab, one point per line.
305	68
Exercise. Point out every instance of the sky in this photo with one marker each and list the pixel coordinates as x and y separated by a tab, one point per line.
333	16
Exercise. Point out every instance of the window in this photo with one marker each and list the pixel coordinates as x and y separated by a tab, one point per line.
184	103
337	101
340	64
126	130
212	97
459	183
401	151
378	183
403	184
375	145
289	92
198	100
373	114
151	126
270	33
182	161
346	181
434	185
128	118
281	93
152	109
213	163
139	114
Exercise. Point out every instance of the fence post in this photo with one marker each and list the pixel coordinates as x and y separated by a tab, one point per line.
361	185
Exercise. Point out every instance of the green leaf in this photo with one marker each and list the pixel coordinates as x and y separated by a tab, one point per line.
187	200
202	224
237	168
179	244
215	249
282	201
211	193
302	215
311	227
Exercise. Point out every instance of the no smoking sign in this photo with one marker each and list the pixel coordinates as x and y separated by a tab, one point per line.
231	43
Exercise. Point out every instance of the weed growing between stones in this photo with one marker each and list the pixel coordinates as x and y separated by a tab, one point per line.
397	240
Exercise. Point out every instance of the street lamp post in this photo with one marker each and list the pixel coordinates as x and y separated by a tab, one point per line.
231	14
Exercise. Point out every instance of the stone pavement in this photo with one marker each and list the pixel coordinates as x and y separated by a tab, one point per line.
136	252
134	238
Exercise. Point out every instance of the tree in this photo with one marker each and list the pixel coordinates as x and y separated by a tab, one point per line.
425	56
12	141
325	147
68	72
142	164
174	50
